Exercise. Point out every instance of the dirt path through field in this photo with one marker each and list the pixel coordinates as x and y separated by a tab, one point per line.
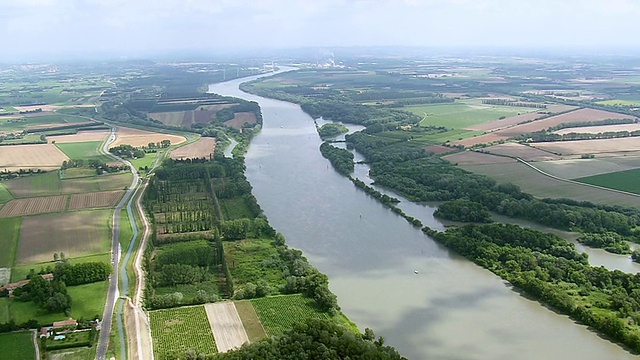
226	326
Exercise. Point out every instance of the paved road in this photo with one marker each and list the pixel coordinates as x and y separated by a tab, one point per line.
112	295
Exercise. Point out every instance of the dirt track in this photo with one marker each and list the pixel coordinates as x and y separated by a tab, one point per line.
226	326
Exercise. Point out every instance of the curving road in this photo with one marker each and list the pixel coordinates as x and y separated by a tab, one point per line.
113	293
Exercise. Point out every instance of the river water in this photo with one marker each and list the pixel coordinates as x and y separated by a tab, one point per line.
449	309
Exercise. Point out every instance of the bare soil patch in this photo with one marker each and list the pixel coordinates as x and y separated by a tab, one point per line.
570	117
524	152
77	233
95	200
203	147
504	123
600	129
30	206
226	326
480	139
137	138
240	119
596	146
44	108
81	136
475	158
38	156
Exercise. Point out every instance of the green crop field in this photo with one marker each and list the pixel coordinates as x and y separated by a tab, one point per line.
279	313
620	102
463	113
9	232
250	321
88	150
5	195
17	346
176	330
20	124
51	184
81	353
622	180
148	160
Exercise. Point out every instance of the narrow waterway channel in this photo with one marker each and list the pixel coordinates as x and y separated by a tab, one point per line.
425	301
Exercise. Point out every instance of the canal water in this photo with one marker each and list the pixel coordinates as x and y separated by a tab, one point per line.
425	301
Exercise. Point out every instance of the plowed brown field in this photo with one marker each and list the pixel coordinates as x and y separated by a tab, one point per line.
240	118
30	206
81	136
204	147
95	200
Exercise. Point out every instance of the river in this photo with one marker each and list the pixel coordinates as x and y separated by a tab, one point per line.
450	309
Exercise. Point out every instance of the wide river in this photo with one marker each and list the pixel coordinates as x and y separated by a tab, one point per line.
450	309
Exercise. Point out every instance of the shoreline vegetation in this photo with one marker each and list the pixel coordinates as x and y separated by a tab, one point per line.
541	265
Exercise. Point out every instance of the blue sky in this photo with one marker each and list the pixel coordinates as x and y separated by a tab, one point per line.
59	27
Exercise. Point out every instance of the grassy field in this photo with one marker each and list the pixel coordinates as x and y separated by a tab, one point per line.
463	113
88	150
80	172
51	184
279	313
77	233
81	353
620	102
17	346
148	160
88	301
20	272
8	125
245	259
541	186
9	233
5	195
176	330
250	321
125	231
4	310
621	180
235	208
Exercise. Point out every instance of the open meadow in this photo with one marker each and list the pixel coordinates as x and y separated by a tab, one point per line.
76	234
87	150
9	232
616	180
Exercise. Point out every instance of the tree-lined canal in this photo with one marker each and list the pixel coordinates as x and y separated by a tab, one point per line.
425	301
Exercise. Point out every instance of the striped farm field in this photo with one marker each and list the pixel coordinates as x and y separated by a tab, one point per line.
77	233
203	148
31	206
174	331
94	200
280	313
38	156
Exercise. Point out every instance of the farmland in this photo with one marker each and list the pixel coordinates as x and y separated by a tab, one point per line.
226	325
616	180
77	234
176	330
463	113
241	118
618	146
38	156
80	137
250	321
138	138
38	205
279	313
88	150
5	195
51	184
202	148
201	115
94	200
17	346
9	231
